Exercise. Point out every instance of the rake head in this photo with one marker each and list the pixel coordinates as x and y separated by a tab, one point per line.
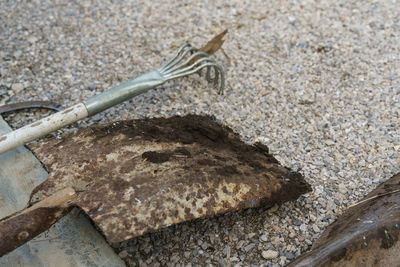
189	60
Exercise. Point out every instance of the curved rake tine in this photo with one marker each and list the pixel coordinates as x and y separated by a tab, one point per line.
183	46
178	58
183	70
189	60
196	69
214	79
219	72
216	73
208	74
182	65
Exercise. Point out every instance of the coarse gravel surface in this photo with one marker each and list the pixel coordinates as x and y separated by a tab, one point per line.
316	81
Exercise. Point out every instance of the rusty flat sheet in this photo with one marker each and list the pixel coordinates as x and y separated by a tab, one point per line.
139	176
71	242
367	234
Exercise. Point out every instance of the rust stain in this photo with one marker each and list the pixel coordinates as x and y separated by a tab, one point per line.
36	124
19	229
3	138
139	176
367	234
67	110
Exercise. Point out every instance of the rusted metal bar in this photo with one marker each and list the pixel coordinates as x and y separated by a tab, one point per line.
133	177
29	105
367	234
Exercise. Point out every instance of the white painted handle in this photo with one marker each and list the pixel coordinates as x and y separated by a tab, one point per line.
42	127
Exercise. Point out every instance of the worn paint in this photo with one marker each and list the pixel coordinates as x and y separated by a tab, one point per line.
365	235
42	127
139	176
36	124
66	111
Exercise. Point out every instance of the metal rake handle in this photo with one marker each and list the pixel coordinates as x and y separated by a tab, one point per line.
187	60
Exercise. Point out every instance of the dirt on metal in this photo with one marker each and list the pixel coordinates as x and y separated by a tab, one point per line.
28	226
367	234
133	177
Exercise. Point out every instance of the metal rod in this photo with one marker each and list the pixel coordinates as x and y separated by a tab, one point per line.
185	62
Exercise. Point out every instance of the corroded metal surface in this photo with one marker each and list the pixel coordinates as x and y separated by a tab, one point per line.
139	176
367	234
71	242
21	228
28	105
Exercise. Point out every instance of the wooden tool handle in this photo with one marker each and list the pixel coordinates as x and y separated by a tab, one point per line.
19	228
42	127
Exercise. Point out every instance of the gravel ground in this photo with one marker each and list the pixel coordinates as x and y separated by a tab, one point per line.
317	82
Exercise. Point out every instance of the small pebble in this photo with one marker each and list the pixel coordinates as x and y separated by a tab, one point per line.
296	222
227	251
249	247
234	259
316	228
342	188
289	255
17	87
269	254
251	235
123	254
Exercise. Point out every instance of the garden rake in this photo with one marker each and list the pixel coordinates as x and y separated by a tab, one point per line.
188	60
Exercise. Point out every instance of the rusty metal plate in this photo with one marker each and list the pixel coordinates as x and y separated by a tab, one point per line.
71	242
139	176
367	234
